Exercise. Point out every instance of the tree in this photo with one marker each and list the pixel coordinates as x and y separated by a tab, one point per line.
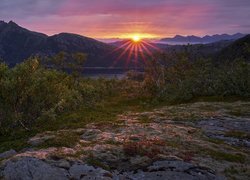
69	62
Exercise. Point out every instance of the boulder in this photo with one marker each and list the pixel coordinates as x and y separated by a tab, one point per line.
39	139
91	134
83	171
8	154
28	168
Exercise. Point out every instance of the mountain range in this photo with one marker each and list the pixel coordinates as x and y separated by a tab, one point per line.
18	44
178	39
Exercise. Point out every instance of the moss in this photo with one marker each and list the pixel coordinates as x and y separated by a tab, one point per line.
64	139
215	141
240	158
220	99
231	170
238	134
239	112
11	142
145	119
113	142
96	163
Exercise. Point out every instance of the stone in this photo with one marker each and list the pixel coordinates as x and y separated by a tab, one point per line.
8	154
172	170
134	138
39	139
27	168
64	164
90	134
83	171
140	161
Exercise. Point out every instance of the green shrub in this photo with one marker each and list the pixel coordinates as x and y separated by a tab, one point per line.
28	91
183	79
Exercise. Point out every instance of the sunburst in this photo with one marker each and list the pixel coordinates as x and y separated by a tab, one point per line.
135	49
136	38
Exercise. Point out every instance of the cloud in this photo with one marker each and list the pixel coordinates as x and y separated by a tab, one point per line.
110	18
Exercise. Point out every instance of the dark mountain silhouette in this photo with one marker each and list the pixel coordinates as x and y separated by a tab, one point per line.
206	39
238	49
17	44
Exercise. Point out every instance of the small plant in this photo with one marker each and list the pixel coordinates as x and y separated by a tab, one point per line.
226	156
149	148
91	160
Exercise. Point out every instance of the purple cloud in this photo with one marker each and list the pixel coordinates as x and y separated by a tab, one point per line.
114	18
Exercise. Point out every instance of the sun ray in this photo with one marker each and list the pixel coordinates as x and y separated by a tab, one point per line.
146	49
135	51
121	47
142	54
130	55
152	46
122	54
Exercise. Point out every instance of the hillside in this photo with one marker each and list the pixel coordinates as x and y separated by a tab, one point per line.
238	49
17	44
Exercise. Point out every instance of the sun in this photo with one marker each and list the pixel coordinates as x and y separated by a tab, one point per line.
136	38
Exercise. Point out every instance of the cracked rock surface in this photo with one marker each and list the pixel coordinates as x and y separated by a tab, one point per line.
204	140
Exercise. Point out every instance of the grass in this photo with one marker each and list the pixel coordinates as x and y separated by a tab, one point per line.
96	163
105	111
220	99
239	112
148	148
215	141
231	170
113	142
238	134
64	139
13	144
218	155
237	172
145	119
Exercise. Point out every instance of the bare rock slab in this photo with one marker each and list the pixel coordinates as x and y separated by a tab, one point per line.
8	154
28	168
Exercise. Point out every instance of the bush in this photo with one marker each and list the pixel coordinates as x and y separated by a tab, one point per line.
28	91
183	79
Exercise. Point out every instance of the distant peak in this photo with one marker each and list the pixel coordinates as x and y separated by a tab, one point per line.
12	23
2	22
204	39
178	36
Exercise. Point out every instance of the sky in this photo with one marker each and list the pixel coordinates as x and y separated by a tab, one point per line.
124	18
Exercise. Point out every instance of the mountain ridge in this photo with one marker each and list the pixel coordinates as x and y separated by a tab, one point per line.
205	39
18	44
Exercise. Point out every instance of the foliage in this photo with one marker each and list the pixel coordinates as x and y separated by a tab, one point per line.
182	79
68	62
37	98
29	92
145	147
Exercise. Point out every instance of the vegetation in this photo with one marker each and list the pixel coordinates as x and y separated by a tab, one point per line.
36	98
29	93
183	79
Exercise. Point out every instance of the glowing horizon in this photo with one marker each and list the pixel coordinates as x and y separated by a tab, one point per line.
121	19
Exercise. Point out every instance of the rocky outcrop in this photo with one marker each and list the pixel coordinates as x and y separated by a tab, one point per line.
27	168
174	142
8	154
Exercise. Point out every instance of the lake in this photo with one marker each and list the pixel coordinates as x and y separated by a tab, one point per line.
108	73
